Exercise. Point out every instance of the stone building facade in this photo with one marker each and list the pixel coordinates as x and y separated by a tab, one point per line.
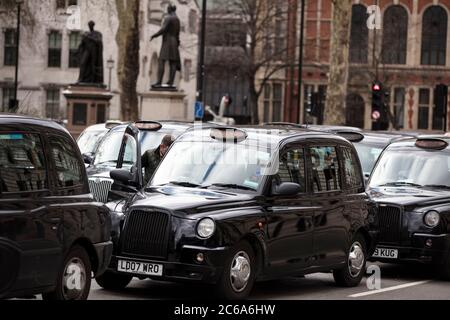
48	61
409	54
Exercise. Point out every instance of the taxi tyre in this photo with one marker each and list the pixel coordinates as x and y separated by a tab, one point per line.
113	281
224	287
76	253
343	277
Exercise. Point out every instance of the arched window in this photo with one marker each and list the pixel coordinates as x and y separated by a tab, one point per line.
434	36
359	37
395	35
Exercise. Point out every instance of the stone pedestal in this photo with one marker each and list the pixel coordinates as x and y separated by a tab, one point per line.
86	105
164	105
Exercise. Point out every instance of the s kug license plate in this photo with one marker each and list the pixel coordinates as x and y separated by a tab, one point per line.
144	268
386	253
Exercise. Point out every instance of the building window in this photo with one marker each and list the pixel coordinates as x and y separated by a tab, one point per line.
424	109
74	43
277	102
399	107
7	97
10	47
395	35
434	36
64	4
79	115
359	36
54	49
52	104
267	95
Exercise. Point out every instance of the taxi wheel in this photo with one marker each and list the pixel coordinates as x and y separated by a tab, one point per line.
113	281
355	267
239	273
74	278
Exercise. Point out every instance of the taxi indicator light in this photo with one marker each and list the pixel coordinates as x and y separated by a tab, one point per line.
148	125
431	144
228	135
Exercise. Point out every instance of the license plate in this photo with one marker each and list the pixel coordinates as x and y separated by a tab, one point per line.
135	267
386	253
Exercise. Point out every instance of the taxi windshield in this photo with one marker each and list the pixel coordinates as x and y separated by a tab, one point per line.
368	154
415	168
211	164
88	141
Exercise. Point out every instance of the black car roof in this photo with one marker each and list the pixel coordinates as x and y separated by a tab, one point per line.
271	136
17	122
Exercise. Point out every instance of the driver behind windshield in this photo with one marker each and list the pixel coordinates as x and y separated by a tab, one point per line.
152	158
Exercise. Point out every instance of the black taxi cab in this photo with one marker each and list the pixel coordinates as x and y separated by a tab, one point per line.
53	235
411	187
230	206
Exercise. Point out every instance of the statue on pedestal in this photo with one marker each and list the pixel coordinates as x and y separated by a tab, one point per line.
170	52
90	53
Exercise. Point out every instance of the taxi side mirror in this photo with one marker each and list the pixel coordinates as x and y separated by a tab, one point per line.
123	176
286	189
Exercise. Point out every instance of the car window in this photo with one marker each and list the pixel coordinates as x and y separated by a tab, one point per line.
292	168
325	169
67	163
352	172
22	163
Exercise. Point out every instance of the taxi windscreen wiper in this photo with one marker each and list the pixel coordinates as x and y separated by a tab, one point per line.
229	185
401	184
185	184
437	186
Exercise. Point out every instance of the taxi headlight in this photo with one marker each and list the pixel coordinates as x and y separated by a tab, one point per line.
206	228
432	218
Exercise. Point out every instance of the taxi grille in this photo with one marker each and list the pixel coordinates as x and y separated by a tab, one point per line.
389	224
146	234
100	188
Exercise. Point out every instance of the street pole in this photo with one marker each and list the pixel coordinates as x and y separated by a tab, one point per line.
300	62
16	80
201	63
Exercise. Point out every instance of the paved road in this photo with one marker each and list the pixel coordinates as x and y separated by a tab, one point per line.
398	283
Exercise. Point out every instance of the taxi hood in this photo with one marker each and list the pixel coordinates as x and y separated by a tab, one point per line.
191	202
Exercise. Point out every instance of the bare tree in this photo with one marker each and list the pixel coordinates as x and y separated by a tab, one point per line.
264	50
339	63
128	65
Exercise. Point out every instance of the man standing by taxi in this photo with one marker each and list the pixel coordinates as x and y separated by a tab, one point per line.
152	158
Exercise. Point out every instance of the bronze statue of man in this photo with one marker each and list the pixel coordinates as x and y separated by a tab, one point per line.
90	54
170	52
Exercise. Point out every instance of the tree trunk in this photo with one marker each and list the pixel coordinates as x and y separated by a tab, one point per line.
338	79
128	58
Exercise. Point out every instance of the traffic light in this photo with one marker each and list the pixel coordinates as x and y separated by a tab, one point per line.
379	107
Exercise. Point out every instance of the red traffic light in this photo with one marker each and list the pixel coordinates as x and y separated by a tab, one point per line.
376	87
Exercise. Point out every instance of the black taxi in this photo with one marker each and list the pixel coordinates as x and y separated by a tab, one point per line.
230	206
53	235
411	187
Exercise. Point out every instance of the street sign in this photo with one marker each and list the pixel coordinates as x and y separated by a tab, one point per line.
199	110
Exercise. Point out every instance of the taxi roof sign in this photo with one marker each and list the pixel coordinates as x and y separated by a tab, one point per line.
148	125
225	134
431	144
